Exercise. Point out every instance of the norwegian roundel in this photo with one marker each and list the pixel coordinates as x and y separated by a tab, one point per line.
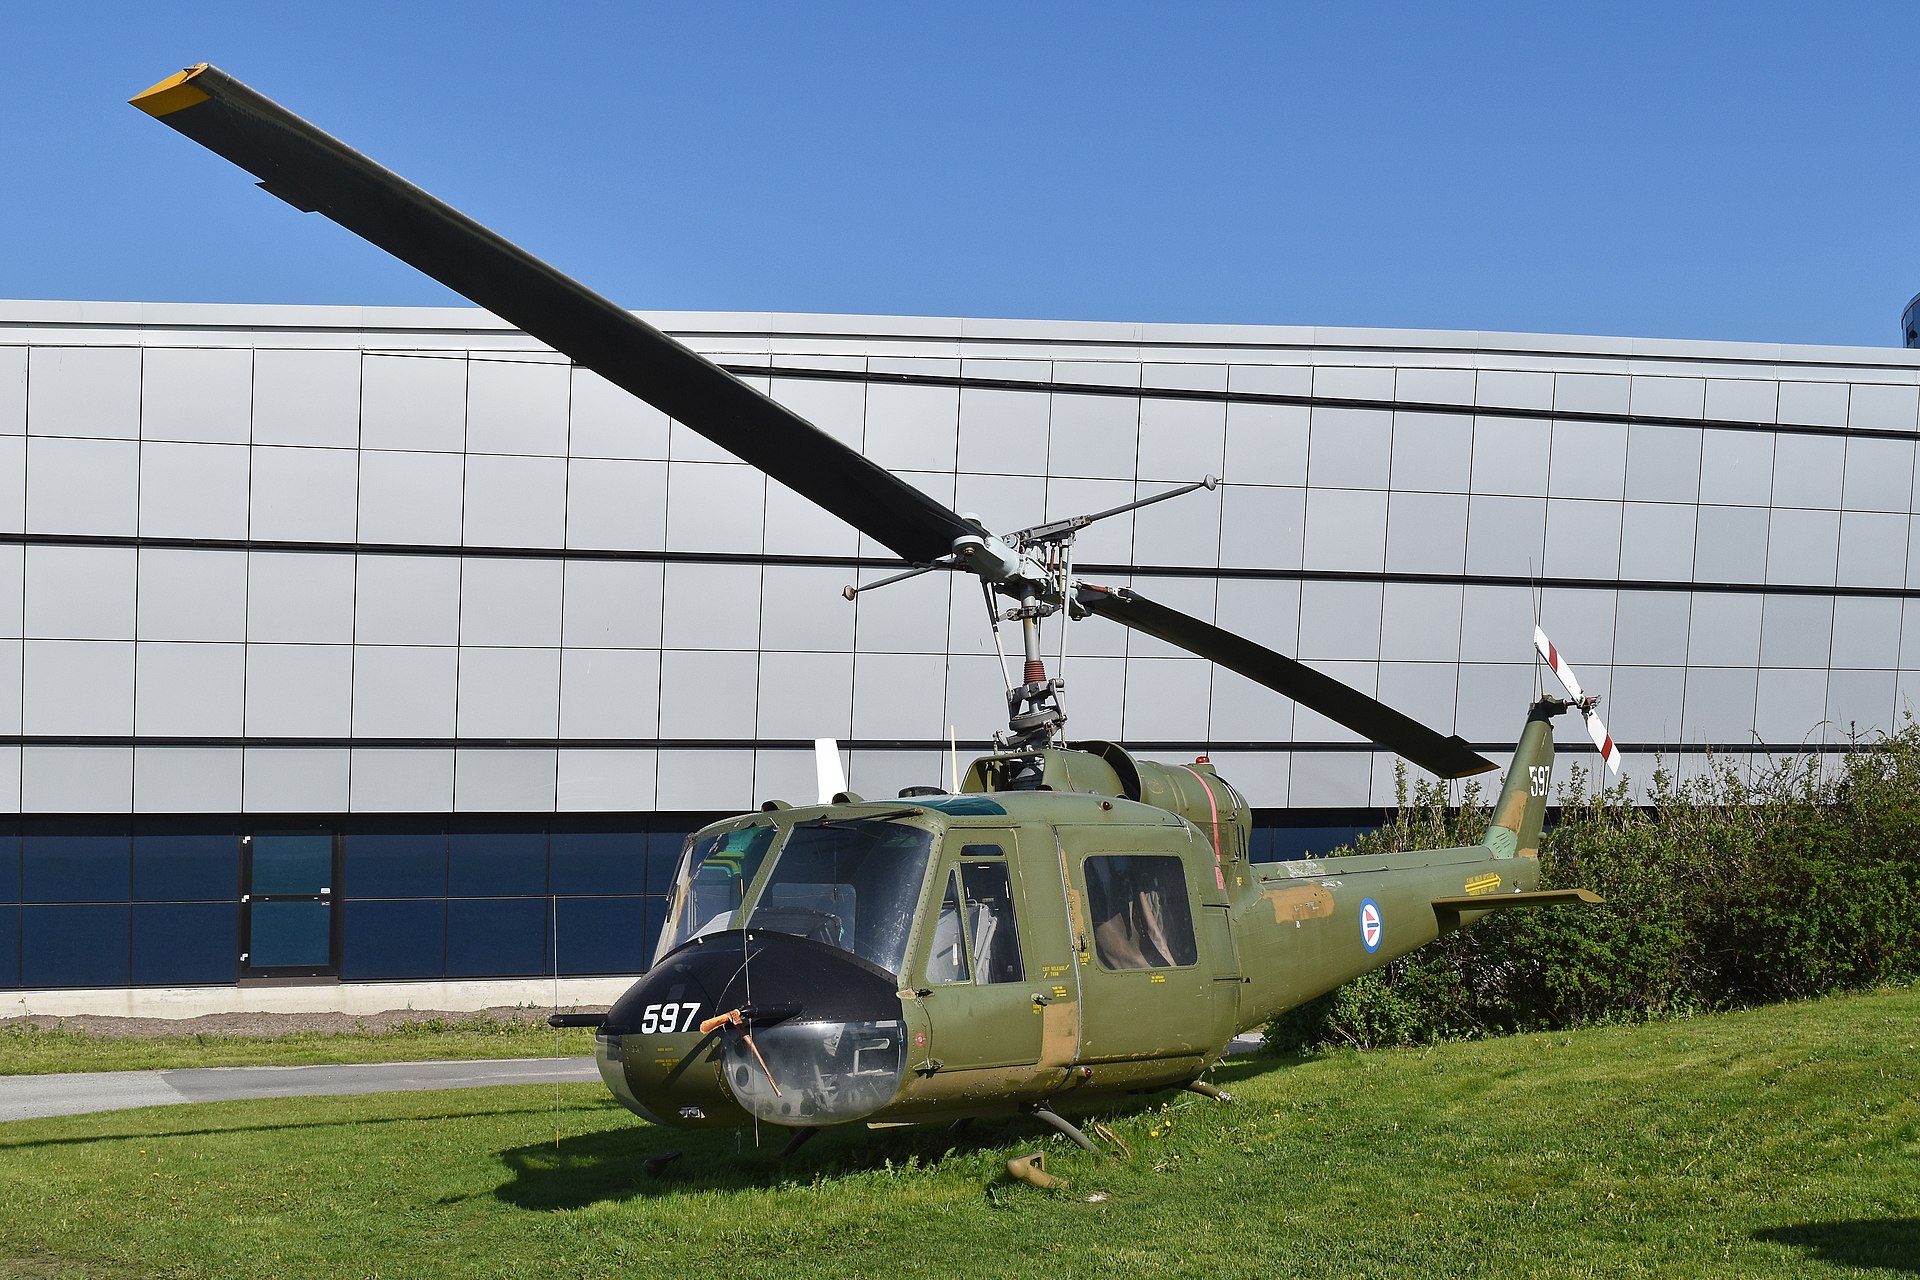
1371	925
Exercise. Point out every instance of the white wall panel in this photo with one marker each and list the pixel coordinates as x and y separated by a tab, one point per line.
299	690
611	693
84	391
189	690
195	780
300	597
295	780
76	780
13	390
509	693
304	494
411	497
304	397
83	486
606	781
192	595
400	780
199	394
413	402
193	490
410	600
510	601
503	781
77	687
1267	443
515	501
404	691
517	405
80	593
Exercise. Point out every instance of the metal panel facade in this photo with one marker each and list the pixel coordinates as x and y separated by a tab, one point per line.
299	535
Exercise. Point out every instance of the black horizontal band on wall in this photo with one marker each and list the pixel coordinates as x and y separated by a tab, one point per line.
888	563
1149	746
1311	401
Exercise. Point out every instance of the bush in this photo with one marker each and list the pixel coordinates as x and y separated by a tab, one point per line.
1736	885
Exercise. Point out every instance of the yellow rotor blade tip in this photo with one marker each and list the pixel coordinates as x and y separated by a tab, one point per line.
175	93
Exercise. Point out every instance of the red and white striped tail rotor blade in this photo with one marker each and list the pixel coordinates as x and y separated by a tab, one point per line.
1559	664
1603	740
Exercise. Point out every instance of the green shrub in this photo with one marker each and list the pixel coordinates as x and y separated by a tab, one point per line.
1737	884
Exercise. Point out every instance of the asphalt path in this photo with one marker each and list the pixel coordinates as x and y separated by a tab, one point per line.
80	1092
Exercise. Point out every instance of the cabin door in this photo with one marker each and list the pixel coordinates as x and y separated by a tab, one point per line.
976	962
1147	990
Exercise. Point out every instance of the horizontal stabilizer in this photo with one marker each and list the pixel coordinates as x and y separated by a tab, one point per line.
1449	909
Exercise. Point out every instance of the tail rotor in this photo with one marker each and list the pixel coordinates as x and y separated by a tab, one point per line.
1585	701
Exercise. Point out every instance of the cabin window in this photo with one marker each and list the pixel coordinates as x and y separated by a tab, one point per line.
848	884
714	875
1140	912
975	938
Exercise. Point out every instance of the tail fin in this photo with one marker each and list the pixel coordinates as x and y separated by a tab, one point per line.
1515	829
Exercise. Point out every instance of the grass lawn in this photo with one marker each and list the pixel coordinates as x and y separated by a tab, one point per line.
1777	1142
26	1050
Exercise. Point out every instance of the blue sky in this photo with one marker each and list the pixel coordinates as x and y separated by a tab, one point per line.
1735	171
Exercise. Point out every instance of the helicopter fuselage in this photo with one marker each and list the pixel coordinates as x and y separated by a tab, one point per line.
945	956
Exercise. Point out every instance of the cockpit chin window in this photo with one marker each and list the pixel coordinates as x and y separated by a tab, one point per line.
848	884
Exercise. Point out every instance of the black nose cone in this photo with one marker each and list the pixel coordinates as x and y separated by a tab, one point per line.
802	1033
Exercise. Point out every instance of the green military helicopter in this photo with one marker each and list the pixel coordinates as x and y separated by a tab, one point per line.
1073	925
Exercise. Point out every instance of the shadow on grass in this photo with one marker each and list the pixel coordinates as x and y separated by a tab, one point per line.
612	1165
1890	1243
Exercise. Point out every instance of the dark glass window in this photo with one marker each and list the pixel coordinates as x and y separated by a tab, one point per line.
9	866
74	946
393	939
496	937
1140	912
175	944
602	935
396	865
599	862
497	864
296	863
290	935
186	867
9	946
71	866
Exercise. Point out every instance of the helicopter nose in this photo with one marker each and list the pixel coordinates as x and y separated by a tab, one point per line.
791	1030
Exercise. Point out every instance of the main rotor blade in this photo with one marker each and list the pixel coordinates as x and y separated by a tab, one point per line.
316	173
1449	757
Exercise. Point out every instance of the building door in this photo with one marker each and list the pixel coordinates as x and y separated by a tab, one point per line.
288	928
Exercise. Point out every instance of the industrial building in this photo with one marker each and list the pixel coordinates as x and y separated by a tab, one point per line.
376	646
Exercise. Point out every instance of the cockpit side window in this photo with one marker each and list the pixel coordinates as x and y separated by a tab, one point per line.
975	936
1141	913
947	958
990	923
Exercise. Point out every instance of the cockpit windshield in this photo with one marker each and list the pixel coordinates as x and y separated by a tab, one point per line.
850	884
713	877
